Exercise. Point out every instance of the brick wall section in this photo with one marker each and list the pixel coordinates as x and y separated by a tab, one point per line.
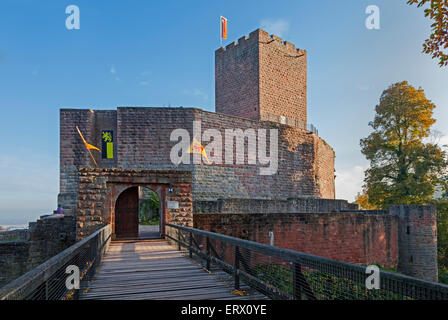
144	136
283	78
242	206
49	236
13	260
349	236
45	238
417	241
260	75
237	78
324	168
18	234
73	153
142	141
303	158
100	188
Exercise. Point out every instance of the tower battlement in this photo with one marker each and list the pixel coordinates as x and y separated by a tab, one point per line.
262	35
261	77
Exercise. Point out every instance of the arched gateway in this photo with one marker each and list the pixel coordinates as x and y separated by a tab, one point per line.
126	214
111	196
138	214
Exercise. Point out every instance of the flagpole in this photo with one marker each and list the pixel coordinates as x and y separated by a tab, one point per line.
220	30
85	144
96	164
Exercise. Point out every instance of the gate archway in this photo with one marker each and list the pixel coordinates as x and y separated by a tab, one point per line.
150	216
100	189
126	214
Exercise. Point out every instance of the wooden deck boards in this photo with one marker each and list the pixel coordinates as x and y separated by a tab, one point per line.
156	270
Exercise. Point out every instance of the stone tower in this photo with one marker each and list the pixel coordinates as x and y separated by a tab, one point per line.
417	241
261	77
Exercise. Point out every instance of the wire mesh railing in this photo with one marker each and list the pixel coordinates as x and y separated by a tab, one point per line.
48	281
286	274
290	122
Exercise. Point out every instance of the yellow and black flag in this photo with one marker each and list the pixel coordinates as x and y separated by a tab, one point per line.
107	138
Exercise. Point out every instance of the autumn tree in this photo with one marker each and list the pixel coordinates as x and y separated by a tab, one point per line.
438	40
403	168
362	199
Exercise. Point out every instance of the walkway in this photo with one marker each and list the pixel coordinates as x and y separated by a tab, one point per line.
137	270
148	232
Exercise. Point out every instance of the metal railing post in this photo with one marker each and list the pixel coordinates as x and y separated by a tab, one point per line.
208	252
178	239
47	289
297	288
190	245
76	294
236	266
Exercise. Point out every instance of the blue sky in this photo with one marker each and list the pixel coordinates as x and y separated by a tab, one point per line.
148	53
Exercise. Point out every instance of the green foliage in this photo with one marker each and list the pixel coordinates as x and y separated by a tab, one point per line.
12	239
276	275
325	286
148	208
403	169
438	40
363	200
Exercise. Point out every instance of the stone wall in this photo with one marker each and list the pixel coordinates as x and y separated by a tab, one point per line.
142	141
45	238
73	154
49	236
100	188
302	162
237	78
324	168
417	245
294	205
260	76
13	260
404	237
283	78
345	236
18	234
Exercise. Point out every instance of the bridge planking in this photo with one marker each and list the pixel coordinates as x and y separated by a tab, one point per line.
140	270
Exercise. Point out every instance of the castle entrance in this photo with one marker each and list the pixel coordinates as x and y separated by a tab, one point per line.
136	203
126	214
138	214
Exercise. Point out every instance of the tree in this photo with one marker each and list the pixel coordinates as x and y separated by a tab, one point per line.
149	207
403	168
438	40
363	200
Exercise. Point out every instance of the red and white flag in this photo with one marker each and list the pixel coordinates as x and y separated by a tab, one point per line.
223	24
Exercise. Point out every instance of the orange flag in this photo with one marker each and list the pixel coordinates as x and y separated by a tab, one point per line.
223	27
88	146
196	147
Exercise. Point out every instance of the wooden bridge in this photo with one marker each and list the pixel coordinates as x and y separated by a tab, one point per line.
194	264
156	270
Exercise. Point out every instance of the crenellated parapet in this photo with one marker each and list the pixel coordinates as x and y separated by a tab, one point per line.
262	37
